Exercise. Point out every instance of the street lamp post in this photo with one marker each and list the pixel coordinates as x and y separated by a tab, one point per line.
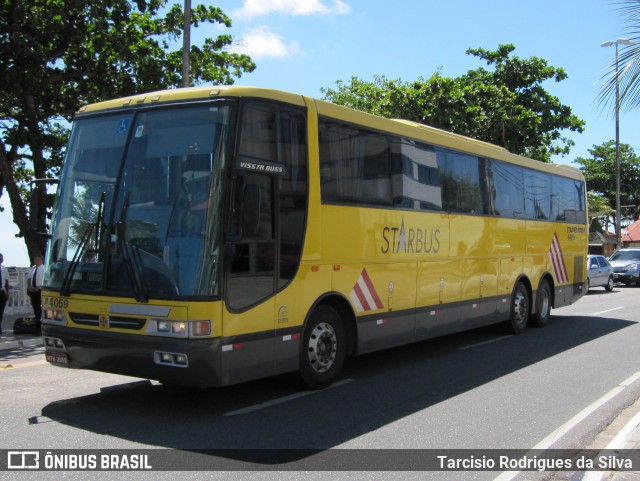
609	43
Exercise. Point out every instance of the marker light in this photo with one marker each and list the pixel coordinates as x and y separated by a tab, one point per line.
200	328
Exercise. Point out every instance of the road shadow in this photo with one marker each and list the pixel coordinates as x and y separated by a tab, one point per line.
377	389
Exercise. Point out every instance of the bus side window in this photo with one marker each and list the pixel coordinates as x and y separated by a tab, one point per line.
462	189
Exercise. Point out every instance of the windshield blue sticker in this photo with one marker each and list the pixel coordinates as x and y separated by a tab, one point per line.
123	126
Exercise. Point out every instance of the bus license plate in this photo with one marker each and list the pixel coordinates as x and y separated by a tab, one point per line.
59	358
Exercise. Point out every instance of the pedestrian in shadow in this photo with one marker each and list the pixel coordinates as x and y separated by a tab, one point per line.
4	289
34	290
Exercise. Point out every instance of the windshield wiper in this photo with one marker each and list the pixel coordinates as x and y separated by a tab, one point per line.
65	290
132	263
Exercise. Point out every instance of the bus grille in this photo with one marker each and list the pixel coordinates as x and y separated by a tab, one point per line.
130	323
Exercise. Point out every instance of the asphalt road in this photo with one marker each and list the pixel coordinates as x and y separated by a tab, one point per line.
567	386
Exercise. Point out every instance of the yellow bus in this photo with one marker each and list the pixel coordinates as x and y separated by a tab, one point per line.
214	235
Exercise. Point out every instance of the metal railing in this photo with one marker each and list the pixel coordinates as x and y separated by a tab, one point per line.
18	302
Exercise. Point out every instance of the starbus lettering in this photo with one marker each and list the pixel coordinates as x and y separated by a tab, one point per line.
409	241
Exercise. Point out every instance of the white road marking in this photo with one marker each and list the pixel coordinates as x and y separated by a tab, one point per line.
555	436
275	402
490	341
604	312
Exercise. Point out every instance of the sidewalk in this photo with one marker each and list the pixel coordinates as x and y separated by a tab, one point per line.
622	440
627	438
18	350
8	340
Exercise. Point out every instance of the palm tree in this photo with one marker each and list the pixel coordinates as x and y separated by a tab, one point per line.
625	68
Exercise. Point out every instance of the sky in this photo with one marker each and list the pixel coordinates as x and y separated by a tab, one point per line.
303	46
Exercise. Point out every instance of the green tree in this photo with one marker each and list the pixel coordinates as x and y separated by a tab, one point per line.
56	55
505	105
599	210
599	171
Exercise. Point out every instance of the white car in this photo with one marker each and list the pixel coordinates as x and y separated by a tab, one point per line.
626	265
599	272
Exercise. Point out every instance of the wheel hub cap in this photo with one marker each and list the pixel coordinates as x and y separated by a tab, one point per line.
322	347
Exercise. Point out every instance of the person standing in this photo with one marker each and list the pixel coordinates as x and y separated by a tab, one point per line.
34	288
4	289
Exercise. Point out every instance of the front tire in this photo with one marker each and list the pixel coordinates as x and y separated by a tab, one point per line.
323	349
543	305
609	286
519	310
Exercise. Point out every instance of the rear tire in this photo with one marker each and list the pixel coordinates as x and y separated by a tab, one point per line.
519	310
323	349
543	305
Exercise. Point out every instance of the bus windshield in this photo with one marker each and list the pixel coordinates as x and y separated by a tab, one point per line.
139	207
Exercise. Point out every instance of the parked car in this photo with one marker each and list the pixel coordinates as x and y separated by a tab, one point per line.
599	272
626	265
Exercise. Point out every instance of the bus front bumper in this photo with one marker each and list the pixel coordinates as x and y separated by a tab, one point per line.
188	362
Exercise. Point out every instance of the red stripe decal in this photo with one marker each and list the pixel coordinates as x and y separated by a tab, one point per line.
557	260
362	298
372	290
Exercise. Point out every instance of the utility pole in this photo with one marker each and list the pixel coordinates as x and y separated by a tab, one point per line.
186	43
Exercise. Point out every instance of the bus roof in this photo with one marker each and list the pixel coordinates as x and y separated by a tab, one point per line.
194	93
407	128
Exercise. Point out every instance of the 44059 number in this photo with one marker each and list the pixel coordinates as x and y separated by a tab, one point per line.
55	302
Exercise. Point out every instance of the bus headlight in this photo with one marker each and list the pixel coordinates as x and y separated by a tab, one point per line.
179	328
173	327
53	316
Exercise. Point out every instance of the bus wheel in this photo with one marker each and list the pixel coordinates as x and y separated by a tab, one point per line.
543	305
519	309
324	348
